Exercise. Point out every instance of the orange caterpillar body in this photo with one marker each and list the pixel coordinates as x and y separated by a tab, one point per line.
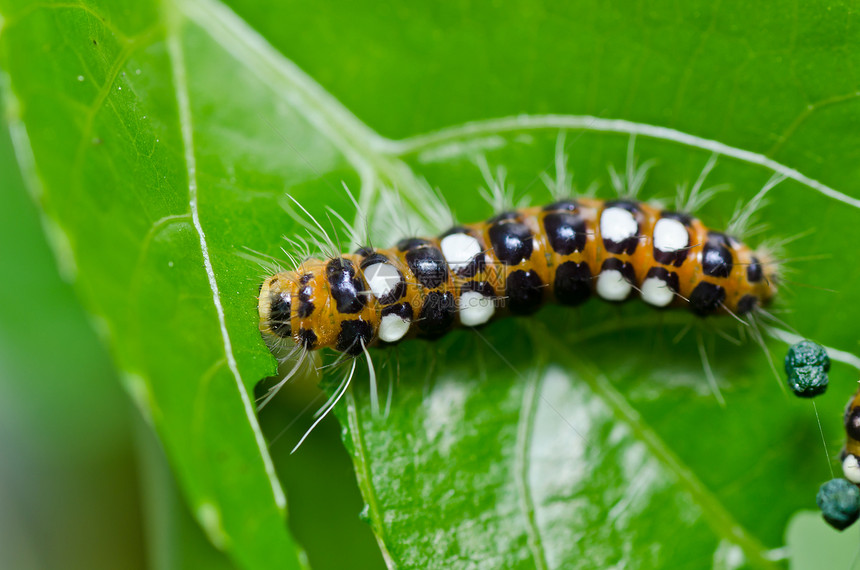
851	453
512	264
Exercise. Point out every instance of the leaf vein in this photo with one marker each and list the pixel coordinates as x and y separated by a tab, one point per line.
721	521
521	468
98	103
180	80
418	143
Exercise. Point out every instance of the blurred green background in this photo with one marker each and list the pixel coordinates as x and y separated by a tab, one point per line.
83	481
69	486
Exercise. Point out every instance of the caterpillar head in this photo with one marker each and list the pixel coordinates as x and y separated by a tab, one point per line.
323	304
757	280
770	270
275	307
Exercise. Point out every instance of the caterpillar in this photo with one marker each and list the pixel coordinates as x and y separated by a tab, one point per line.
511	264
851	451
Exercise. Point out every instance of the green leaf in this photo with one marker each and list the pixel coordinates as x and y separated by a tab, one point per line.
575	438
108	105
63	412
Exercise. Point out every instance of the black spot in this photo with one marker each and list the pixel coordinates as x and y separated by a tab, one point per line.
572	283
512	242
395	294
260	289
677	257
428	265
352	334
628	205
524	292
852	422
568	205
754	272
683	218
307	338
402	310
482	287
372	259
670	278
364	251
716	256
747	304
346	288
411	243
623	267
504	216
628	245
457	230
565	231
279	313
437	314
706	298
306	306
475	266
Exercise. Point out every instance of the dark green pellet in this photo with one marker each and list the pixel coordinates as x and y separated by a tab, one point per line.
839	501
807	365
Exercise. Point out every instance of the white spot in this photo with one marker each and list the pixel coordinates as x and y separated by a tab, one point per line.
170	264
475	309
137	72
670	235
459	250
392	328
80	77
382	278
612	286
657	292
617	224
851	468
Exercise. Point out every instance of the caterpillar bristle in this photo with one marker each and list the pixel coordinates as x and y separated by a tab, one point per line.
741	221
691	199
561	187
497	193
628	185
329	405
268	264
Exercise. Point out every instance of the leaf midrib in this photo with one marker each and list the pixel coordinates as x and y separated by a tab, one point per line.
719	519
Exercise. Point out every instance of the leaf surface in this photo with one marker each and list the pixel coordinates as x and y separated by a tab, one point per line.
165	136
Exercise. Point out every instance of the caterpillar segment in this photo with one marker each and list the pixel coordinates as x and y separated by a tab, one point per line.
511	264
